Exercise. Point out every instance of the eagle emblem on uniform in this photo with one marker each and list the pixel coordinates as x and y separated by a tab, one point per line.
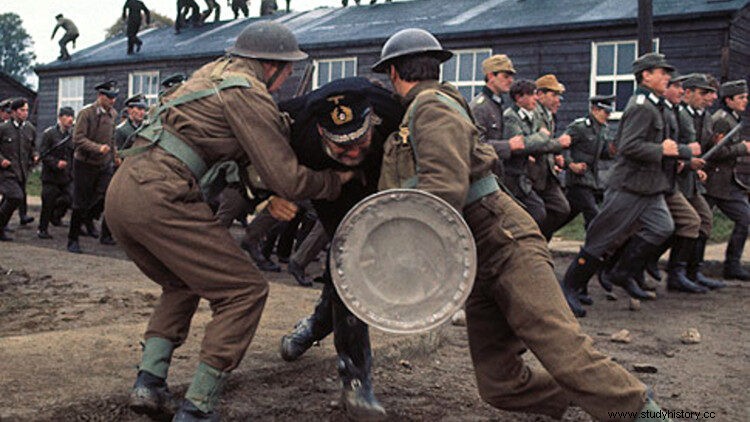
341	114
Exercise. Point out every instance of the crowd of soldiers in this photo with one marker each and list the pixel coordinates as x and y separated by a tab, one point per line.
217	143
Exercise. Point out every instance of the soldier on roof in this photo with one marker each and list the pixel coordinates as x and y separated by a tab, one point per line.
71	34
131	13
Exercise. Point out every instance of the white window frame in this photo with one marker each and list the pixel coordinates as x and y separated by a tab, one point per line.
474	84
151	97
594	78
329	78
76	102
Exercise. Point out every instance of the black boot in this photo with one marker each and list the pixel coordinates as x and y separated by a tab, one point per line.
584	298
151	396
4	237
91	229
188	412
632	261
576	279
652	264
733	270
310	329
352	342
74	246
298	272
263	263
646	285
677	280
25	219
695	265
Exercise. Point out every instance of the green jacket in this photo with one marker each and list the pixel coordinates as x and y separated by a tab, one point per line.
728	170
589	144
542	170
695	126
123	134
516	167
17	146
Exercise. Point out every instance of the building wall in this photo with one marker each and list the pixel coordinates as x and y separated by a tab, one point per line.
10	89
739	54
691	45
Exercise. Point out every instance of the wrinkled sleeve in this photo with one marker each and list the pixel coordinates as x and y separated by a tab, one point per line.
443	140
263	135
79	135
634	143
47	142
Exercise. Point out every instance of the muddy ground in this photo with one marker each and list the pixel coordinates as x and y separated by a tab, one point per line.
48	297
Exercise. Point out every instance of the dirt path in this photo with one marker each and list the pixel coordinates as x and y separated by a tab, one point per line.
69	330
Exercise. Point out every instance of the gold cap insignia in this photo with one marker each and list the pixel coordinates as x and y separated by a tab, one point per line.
341	114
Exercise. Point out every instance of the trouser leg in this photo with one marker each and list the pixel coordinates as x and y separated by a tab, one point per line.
311	247
516	298
233	204
557	209
12	199
181	245
738	210
51	194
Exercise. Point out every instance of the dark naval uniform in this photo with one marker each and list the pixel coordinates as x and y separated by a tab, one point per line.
726	187
124	133
57	188
351	336
589	144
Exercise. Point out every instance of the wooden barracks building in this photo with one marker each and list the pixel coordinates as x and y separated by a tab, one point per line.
588	44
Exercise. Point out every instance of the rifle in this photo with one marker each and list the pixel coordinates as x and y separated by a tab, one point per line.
727	139
59	143
305	81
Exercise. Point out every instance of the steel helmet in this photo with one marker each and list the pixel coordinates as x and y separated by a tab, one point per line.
267	40
410	41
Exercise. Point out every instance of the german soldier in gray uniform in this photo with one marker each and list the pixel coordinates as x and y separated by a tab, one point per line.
131	13
136	106
636	189
726	188
695	127
589	144
4	110
17	154
519	120
543	171
213	7
487	108
183	8
71	34
56	153
94	162
515	303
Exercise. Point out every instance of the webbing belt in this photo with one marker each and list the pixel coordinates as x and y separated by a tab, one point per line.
155	132
479	188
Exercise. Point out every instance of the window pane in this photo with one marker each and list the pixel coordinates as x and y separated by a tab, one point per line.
466	66
322	73
466	92
449	69
605	59
604	88
625	90
480	57
349	68
625	57
336	70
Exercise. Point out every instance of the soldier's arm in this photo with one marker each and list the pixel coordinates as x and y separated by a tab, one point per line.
79	135
54	31
483	120
147	13
443	141
125	10
634	143
263	135
512	126
45	146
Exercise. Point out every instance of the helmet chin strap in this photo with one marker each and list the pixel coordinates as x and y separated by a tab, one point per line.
275	75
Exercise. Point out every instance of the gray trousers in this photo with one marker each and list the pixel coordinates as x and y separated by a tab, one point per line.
737	208
313	244
624	213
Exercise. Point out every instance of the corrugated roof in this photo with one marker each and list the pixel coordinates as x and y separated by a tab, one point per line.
372	24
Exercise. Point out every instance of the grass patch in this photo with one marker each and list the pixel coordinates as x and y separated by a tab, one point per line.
722	229
34	183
